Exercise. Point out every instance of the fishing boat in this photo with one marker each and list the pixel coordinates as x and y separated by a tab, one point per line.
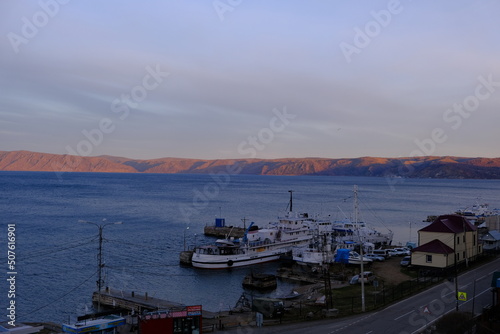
318	251
347	230
257	245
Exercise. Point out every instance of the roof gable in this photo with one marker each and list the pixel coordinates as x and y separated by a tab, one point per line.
492	235
449	224
435	246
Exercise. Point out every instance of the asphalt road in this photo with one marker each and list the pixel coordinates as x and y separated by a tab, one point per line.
411	315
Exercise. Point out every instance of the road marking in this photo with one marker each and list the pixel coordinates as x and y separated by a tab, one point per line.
453	309
404	315
477	295
482	277
353	323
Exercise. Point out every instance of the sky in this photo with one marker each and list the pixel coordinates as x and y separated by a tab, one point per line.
250	79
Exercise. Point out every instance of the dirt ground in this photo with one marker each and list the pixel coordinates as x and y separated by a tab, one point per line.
389	271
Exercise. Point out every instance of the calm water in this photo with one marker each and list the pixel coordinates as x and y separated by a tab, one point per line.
56	254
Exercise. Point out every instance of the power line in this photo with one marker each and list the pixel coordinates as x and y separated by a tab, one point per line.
51	251
58	299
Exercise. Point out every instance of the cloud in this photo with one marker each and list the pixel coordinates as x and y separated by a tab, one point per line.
227	77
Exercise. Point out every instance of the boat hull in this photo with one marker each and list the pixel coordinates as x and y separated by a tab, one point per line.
233	262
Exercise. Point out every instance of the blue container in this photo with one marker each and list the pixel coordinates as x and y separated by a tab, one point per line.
220	222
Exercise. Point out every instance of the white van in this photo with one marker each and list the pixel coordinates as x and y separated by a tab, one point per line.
382	252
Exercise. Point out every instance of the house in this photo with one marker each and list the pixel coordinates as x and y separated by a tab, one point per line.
491	241
492	223
449	239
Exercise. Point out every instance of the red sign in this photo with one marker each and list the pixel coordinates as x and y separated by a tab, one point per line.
194	309
179	314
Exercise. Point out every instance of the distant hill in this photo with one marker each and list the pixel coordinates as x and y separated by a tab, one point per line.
421	167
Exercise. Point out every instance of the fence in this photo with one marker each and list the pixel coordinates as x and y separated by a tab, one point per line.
383	296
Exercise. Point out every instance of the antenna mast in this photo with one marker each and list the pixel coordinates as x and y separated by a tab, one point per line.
291	200
356	222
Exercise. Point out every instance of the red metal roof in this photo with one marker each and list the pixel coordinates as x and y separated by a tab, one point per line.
435	246
449	224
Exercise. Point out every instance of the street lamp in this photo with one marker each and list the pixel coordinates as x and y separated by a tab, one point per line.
187	228
100	265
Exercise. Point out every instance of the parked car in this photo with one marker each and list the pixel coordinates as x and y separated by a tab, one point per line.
368	276
406	261
403	250
394	252
375	257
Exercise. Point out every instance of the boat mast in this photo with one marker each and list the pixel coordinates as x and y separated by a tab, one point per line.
356	221
291	200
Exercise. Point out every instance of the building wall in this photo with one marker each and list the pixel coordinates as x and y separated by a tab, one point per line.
491	244
493	223
438	260
446	238
469	248
466	245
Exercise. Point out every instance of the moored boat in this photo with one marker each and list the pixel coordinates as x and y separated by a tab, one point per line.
260	281
258	246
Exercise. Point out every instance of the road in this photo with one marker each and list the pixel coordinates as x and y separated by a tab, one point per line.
409	316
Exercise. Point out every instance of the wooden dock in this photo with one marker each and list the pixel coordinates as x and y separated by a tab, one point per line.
133	301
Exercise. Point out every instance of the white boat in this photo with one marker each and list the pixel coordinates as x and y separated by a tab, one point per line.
257	246
313	254
347	230
477	212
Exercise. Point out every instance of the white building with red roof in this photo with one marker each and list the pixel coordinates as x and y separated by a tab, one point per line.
449	239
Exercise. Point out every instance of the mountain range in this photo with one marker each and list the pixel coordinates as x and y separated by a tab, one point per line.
416	167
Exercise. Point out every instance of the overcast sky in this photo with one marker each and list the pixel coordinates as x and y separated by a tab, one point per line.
243	79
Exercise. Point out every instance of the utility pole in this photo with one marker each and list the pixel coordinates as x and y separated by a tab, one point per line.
100	264
187	228
356	221
291	200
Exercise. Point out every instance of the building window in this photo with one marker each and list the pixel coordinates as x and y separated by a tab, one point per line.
464	254
458	240
474	239
186	325
464	237
428	258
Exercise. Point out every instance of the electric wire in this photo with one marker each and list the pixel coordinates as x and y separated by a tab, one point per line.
51	251
57	299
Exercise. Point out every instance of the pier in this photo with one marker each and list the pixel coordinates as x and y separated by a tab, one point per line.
132	300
